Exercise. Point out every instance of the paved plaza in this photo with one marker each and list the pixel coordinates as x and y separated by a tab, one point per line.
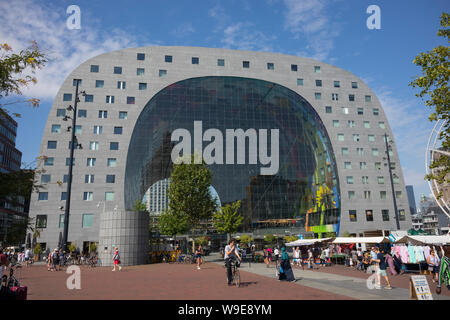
184	282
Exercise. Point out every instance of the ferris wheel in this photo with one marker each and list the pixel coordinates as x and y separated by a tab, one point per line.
432	153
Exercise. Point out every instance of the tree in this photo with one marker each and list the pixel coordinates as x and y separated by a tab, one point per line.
290	238
202	240
228	220
139	206
269	238
433	85
245	240
172	223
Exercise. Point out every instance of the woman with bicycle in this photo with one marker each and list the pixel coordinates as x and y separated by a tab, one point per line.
231	253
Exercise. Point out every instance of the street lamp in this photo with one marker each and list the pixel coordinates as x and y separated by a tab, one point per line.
392	181
73	140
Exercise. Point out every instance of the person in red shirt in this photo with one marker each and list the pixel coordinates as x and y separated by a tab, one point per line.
3	263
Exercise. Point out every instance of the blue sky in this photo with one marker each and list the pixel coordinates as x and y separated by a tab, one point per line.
332	31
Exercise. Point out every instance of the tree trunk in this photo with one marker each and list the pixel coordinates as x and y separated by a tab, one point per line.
228	238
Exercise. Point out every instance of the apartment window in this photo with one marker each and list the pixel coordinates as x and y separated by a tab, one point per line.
43	196
371	137
401	214
109	196
381	125
110	178
299	82
141	56
162	73
140	71
112	162
365	180
221	62
90	162
375	152
89	178
63	196
121	85
270	66
360	111
354	85
382	194
334	97
351	194
75	81
95	68
368	98
60	112
45	178
347	165
317	69
65	178
88	196
351	123
98	129
376	112
318	83
393	165
344	110
61	221
89	98
336	123
78	129
103	114
168	59
398	194
317	95
99	83
367	124
396	180
344	151
385	215
131	100
378	165
294	67
366	194
369	215
113	146
380	180
351	97
117	130
87	220
41	221
245	64
362	165
56	128
349	179
117	70
337	84
352	215
82	113
142	86
123	115
360	151
109	99
51	145
49	161
195	60
93	145
328	109
340	137
67	97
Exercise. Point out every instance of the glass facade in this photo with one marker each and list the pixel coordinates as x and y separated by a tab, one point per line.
303	195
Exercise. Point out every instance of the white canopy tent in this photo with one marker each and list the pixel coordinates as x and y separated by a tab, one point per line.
306	242
420	240
343	240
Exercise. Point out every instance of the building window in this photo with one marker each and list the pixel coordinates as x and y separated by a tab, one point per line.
117	70
270	66
334	97
378	165
360	151
328	109
90	162
299	82
140	71
221	62
56	128
294	67
360	111
41	221
113	146
61	221
351	97
87	220
317	95
49	161
349	179
354	85
168	59
369	215
89	178
351	123
365	180
110	178
43	196
82	113
45	178
351	194
368	98
340	137
396	179
375	152
65	178
336	123
98	129
141	56
347	165
162	73
63	196
103	114
318	83
88	196
337	84
93	145
366	124
380	180
344	151
112	162
99	83
352	215
385	215
344	110
67	97
109	196
95	68
381	125
245	64
376	112
117	130
123	115
195	60
60	112
371	138
121	85
317	69
75	81
362	165
68	162
398	194
130	100
366	195
382	194
402	215
142	86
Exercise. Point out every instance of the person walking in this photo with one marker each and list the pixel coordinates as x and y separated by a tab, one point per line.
276	253
433	265
27	257
297	256
61	259
381	269
285	267
55	259
198	256
116	259
3	263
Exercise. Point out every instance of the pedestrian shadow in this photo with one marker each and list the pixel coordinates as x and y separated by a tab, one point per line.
246	284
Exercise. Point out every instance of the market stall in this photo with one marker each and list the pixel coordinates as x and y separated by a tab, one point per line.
347	240
307	242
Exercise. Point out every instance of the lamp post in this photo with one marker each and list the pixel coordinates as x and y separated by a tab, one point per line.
392	181
73	140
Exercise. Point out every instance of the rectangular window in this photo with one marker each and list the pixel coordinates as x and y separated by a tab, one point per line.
117	70
385	215
117	130
398	194
270	66
294	67
112	162
113	146
93	145
49	161
43	196
318	83
121	85
381	125
56	128
401	215
354	85
349	180
89	98
317	95
365	180
142	86
347	165
41	221
396	179
351	123
351	97
162	73
95	68
299	82
123	115
245	64
380	180
90	162
78	129
140	56
340	137
87	220
45	178
360	151
109	196
352	215
140	71
376	112
368	98
66	178
88	196
60	112
351	194
362	165
168	59
63	196
221	62
82	113
366	124
67	97
99	83
382	194
317	69
89	178
109	99
375	152
378	165
68	162
344	151
195	60
337	84
103	114
61	221
74	83
328	109
366	195
334	97
131	100
98	129
110	178
360	111
344	110
371	138
336	123
369	215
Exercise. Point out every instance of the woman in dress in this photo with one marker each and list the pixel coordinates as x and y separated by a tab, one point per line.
285	267
116	259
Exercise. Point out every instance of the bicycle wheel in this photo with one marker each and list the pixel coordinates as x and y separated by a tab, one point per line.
237	278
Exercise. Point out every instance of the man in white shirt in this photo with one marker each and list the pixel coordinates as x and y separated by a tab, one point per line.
231	253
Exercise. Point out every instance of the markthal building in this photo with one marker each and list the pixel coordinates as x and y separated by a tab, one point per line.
303	144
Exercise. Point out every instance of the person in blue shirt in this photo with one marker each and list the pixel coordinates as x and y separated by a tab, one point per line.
381	270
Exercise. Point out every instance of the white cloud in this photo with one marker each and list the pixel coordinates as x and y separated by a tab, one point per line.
242	36
183	30
24	21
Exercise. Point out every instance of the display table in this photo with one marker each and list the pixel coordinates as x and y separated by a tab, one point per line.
339	257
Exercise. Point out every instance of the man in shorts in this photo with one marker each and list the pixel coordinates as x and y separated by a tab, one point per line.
381	270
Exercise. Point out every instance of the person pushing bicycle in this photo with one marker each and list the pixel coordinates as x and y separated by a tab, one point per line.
231	253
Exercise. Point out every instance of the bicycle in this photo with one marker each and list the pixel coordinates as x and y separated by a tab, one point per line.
444	274
93	262
235	276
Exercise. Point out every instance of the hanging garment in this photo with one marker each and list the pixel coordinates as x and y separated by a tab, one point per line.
426	252
419	253
411	254
404	254
390	262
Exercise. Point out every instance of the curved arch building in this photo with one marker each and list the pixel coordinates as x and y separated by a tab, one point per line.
299	141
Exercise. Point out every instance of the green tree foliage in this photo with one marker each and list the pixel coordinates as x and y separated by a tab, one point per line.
201	240
37	249
245	240
173	223
290	238
433	85
139	206
270	238
93	247
228	220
